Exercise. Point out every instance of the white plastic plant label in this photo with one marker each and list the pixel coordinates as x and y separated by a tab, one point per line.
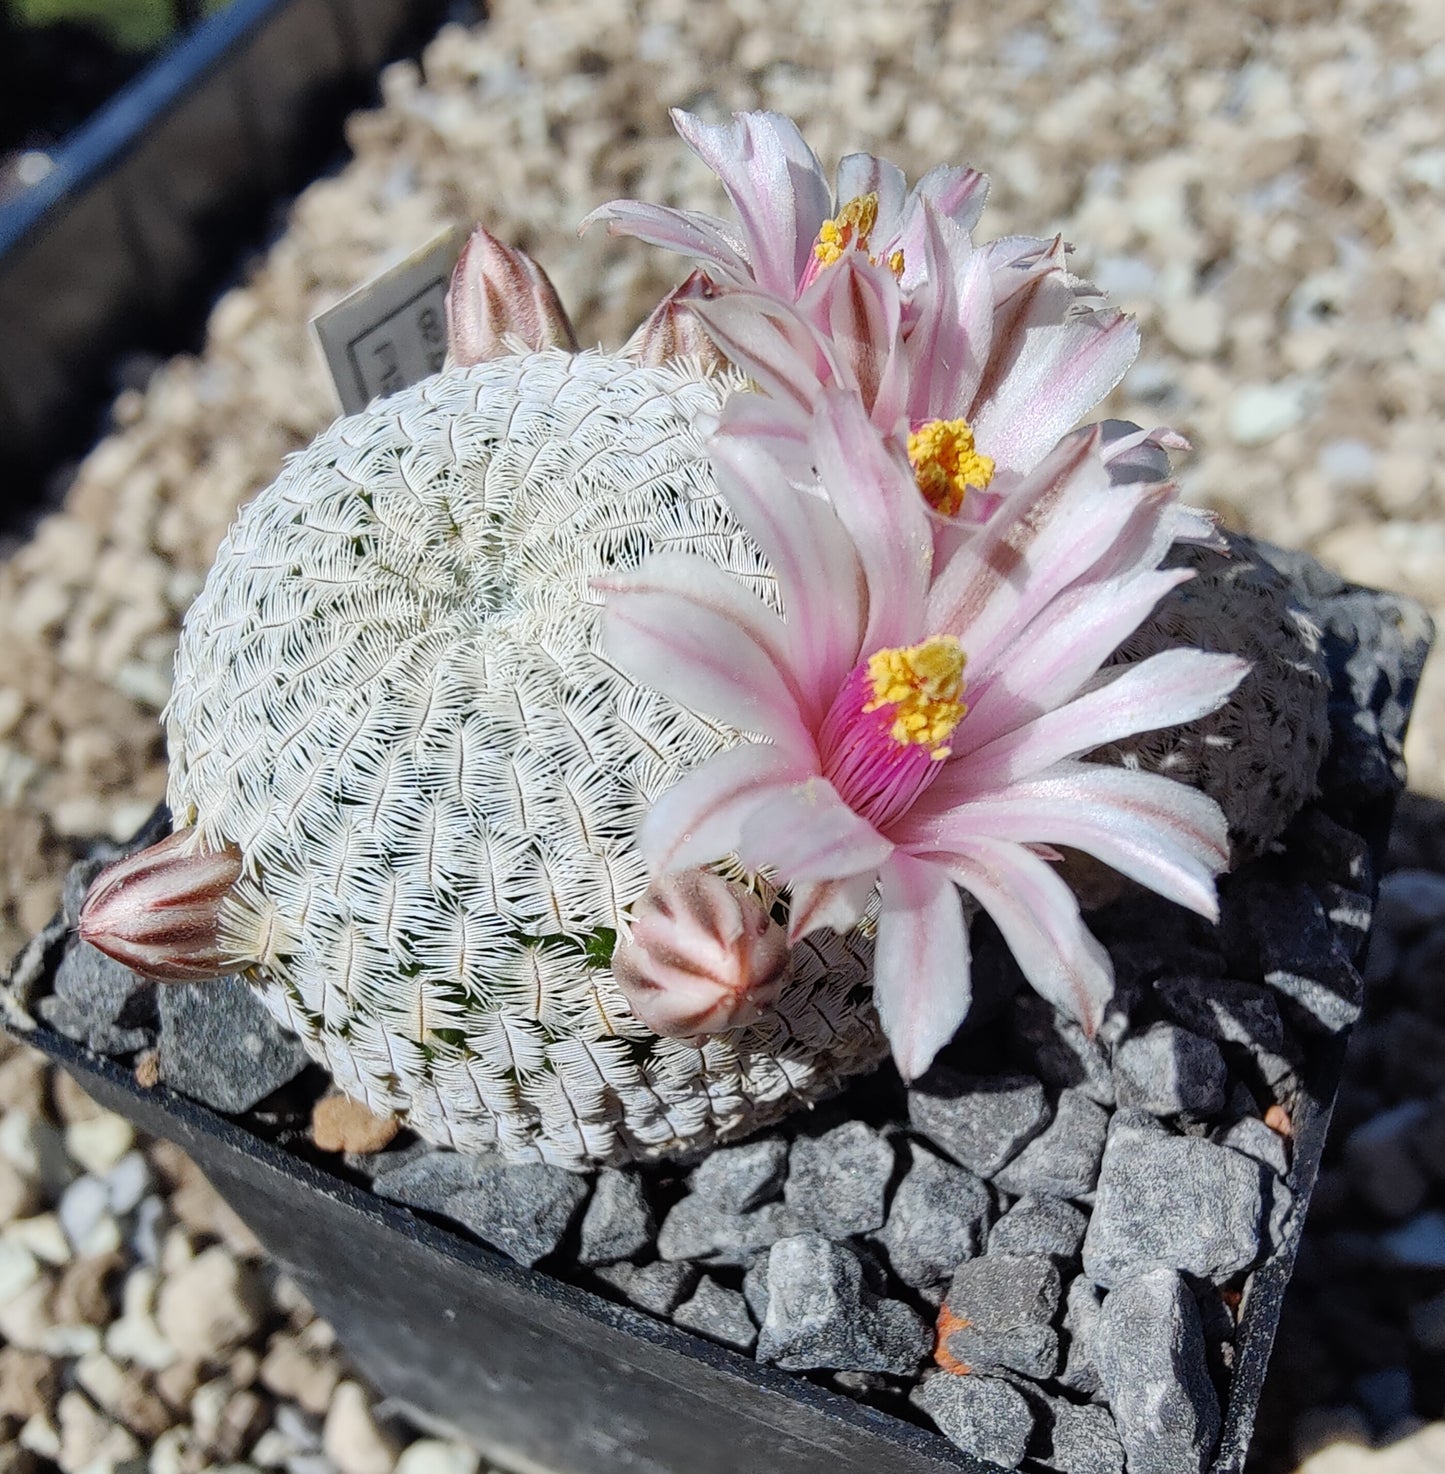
391	331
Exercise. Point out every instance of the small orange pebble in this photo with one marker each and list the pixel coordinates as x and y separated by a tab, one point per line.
1278	1121
148	1069
948	1323
340	1124
1232	1299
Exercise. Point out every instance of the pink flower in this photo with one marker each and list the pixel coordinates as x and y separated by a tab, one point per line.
976	358
868	762
790	225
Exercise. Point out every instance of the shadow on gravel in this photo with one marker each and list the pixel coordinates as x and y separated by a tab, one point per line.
1360	1356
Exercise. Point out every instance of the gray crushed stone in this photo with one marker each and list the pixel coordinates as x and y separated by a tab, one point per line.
838	1182
698	1229
1224	1010
739	1178
1084	1440
1063	1160
719	1314
524	1210
618	1223
981	1121
938	1219
1167	1070
219	1045
658	1288
1172	1202
984	1416
1040	1225
1002	1308
1150	1351
820	1314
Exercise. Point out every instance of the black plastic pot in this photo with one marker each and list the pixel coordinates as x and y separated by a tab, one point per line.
542	1375
147	204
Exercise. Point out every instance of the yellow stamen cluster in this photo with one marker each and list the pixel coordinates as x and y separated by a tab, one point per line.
924	683
946	463
849	228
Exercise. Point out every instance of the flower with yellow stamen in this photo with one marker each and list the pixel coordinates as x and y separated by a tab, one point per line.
946	463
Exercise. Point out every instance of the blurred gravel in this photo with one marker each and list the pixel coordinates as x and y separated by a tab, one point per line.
1264	186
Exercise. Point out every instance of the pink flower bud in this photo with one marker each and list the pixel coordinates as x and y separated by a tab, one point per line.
703	956
159	911
673	330
498	291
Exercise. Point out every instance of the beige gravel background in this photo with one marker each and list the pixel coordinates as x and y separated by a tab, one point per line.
1263	184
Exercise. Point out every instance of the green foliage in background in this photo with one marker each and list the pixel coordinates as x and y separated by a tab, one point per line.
136	25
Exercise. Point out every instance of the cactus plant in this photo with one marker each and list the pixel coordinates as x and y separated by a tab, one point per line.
397	698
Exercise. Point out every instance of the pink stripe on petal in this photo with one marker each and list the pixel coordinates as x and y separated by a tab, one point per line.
703	237
1059	372
809	834
684	627
1039	918
1166	690
921	980
836	904
983	584
1159	832
775	183
878	502
700	820
959	194
772	344
812	558
1043	669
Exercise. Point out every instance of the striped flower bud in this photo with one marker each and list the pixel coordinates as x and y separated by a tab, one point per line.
499	292
158	912
703	956
673	330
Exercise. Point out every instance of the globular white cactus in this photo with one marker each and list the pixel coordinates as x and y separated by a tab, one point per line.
390	697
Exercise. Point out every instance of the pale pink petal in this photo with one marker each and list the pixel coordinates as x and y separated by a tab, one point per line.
1161	833
819	577
809	834
1029	551
878	502
835	904
700	820
775	183
684	627
957	193
921	979
1038	916
949	343
861	174
1166	690
857	307
1053	374
703	237
1042	670
771	343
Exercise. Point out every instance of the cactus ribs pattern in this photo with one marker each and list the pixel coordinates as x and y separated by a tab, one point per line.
390	697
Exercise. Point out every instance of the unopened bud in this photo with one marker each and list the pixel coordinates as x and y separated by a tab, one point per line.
703	956
674	330
499	292
158	911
